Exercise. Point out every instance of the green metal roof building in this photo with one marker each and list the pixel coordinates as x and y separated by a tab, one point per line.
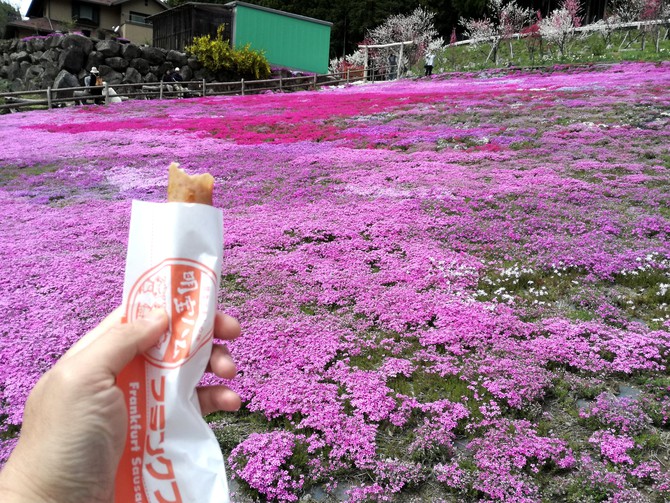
288	40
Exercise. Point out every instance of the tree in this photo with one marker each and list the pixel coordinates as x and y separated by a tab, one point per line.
652	10
8	13
417	27
506	19
641	10
532	37
559	27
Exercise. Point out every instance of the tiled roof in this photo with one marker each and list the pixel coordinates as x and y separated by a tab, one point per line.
39	24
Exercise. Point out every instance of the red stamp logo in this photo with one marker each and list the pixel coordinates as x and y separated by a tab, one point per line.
184	288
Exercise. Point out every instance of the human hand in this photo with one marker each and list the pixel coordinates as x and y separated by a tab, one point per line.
75	419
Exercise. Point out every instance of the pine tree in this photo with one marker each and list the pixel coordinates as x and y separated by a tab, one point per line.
8	13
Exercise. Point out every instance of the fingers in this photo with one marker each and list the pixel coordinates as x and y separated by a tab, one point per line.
114	318
117	344
221	363
226	327
122	342
215	398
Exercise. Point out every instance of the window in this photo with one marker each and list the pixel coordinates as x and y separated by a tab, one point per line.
86	13
138	18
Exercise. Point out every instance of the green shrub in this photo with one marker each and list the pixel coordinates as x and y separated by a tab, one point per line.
251	63
218	57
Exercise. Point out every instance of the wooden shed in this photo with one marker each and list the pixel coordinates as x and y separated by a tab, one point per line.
175	28
288	40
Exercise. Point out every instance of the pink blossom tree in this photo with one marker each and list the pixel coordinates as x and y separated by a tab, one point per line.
647	12
532	37
652	12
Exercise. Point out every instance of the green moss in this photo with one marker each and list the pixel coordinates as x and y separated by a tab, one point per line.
367	360
9	173
427	387
583	491
522	145
232	282
580	314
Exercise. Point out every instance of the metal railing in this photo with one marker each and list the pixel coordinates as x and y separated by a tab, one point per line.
70	96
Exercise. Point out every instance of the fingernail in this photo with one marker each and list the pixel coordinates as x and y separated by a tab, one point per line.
156	315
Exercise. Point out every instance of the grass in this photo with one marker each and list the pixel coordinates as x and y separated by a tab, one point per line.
586	48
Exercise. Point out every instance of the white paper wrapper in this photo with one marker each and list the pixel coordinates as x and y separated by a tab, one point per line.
174	262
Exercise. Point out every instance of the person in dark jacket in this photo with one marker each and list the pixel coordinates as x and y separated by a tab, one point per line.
93	82
176	80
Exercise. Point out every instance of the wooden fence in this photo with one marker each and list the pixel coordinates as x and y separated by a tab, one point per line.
54	98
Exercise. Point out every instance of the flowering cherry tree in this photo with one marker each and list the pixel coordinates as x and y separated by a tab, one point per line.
559	27
652	10
532	37
630	11
507	18
417	26
607	25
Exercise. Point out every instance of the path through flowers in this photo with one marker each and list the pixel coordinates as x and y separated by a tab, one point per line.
455	288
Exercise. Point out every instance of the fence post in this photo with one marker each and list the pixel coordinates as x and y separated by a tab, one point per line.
106	93
348	69
204	89
160	90
314	82
49	97
242	86
281	81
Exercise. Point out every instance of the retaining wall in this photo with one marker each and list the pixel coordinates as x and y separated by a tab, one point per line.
58	61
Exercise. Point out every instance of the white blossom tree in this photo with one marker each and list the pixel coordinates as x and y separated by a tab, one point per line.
628	10
559	27
507	18
606	26
417	26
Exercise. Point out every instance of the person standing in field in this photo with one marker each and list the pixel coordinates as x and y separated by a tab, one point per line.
430	58
393	67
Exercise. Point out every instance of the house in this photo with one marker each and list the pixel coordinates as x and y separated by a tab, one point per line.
102	19
288	40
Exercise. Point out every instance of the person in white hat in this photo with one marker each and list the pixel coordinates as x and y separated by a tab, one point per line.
94	84
177	78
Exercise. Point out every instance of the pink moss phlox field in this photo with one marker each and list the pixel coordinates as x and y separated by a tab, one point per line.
425	271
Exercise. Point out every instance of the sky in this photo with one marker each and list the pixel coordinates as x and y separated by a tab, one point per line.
21	4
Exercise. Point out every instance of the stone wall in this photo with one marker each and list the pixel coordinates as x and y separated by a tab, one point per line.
60	61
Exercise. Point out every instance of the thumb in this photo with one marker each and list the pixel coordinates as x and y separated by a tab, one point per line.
120	343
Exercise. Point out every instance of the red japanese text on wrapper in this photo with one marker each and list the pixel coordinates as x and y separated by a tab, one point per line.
191	287
171	456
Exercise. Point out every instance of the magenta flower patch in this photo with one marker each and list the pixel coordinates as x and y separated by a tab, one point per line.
441	284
